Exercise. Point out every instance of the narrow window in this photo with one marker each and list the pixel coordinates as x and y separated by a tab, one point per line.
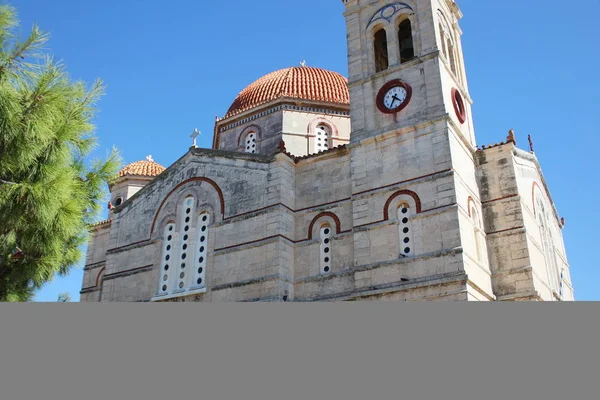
381	51
199	280
166	272
562	283
325	249
405	39
185	260
443	41
478	234
548	247
323	138
250	143
452	57
405	231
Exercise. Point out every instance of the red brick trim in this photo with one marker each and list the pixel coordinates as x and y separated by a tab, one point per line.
116	249
100	275
386	209
255	241
247	130
338	224
222	200
507	230
323	205
501	198
91	266
201	179
384	220
459	106
128	272
258	210
403	182
439	208
312	125
469	201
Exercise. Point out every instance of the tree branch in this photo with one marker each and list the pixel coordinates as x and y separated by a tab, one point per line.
3	182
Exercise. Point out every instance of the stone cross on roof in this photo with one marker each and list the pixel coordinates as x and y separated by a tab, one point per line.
194	135
303	63
149	158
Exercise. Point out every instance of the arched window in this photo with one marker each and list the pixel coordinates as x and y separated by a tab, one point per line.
323	138
443	41
325	253
381	51
184	253
405	230
562	283
447	43
166	273
250	143
199	280
549	249
185	262
452	56
478	234
405	40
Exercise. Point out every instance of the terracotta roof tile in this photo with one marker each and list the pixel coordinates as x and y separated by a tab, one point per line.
101	223
306	83
142	168
283	150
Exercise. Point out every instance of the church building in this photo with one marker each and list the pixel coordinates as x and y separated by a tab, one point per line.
324	188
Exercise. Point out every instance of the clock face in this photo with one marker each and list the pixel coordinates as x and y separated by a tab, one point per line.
395	97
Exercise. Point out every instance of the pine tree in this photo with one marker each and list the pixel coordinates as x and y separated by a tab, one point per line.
48	195
64	298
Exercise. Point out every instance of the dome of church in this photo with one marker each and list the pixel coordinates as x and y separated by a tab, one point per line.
147	167
305	83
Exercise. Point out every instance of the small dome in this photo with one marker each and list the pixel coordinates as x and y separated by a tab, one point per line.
147	167
306	83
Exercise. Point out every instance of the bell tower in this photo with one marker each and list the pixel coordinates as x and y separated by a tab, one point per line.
412	148
406	66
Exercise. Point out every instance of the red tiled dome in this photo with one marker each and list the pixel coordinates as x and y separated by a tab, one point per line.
147	167
306	83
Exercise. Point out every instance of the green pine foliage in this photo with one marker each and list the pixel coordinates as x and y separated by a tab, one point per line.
48	193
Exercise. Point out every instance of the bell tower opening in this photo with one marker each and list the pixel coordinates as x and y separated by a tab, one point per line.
381	51
404	65
405	40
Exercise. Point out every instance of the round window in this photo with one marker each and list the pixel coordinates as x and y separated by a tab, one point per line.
459	106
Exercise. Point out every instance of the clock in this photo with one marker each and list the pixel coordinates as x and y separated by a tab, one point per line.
394	96
459	106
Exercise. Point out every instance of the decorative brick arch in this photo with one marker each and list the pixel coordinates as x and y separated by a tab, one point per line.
338	224
100	276
312	126
533	187
415	197
247	130
469	202
197	179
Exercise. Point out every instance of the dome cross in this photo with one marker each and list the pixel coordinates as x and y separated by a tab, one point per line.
194	135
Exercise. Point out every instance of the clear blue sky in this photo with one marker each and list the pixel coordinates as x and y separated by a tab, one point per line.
173	66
